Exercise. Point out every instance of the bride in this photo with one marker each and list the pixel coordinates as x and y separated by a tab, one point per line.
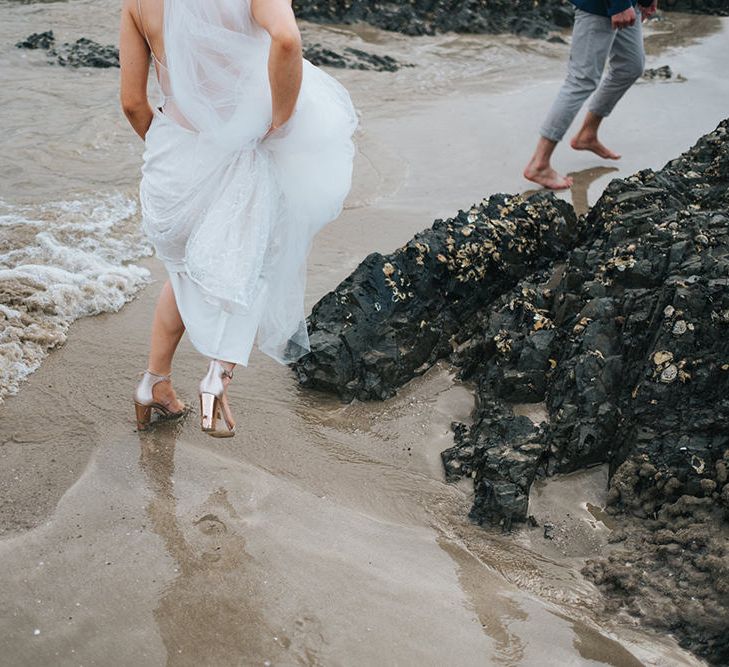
247	155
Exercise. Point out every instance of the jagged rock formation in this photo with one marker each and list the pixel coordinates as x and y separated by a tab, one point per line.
86	53
81	53
350	58
619	322
38	40
635	319
396	315
718	7
531	18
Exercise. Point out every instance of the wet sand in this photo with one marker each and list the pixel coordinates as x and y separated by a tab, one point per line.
321	534
324	534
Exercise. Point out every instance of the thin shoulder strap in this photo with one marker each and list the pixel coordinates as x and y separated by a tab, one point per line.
144	28
144	31
141	22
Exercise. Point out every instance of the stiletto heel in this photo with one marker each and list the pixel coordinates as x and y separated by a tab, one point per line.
144	402
214	402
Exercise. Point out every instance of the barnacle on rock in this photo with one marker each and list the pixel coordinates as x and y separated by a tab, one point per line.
661	357
669	373
503	342
580	326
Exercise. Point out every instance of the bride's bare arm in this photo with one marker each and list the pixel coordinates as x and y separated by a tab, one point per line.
284	61
134	61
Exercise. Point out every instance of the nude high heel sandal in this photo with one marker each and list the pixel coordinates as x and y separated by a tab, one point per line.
144	402
214	402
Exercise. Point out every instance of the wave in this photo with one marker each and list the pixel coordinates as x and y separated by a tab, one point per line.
58	262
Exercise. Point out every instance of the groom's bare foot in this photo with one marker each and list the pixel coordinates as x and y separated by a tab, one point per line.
586	142
547	177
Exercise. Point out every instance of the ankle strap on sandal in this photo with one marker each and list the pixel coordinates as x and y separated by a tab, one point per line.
157	376
224	372
143	392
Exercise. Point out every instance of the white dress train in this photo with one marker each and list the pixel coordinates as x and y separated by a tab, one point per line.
231	214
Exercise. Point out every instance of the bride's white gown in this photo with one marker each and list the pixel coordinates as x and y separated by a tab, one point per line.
232	215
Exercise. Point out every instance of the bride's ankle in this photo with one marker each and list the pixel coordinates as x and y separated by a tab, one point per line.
159	373
227	367
165	393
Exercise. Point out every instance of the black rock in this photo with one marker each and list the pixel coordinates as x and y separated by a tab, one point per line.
397	314
664	72
501	452
350	59
717	7
626	341
643	315
530	18
373	61
619	322
86	53
81	53
38	40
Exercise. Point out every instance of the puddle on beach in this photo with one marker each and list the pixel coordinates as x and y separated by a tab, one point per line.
323	533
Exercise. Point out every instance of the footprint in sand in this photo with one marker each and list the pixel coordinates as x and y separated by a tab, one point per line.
210	525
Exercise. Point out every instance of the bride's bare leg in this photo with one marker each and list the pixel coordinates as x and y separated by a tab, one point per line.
167	330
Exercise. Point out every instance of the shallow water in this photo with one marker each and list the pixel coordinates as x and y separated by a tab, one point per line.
69	165
322	533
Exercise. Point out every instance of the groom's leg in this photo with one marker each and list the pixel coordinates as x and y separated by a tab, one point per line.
591	39
625	66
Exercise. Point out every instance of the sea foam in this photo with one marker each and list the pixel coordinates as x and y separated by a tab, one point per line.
58	262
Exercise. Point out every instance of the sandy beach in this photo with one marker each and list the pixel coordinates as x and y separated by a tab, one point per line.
323	533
